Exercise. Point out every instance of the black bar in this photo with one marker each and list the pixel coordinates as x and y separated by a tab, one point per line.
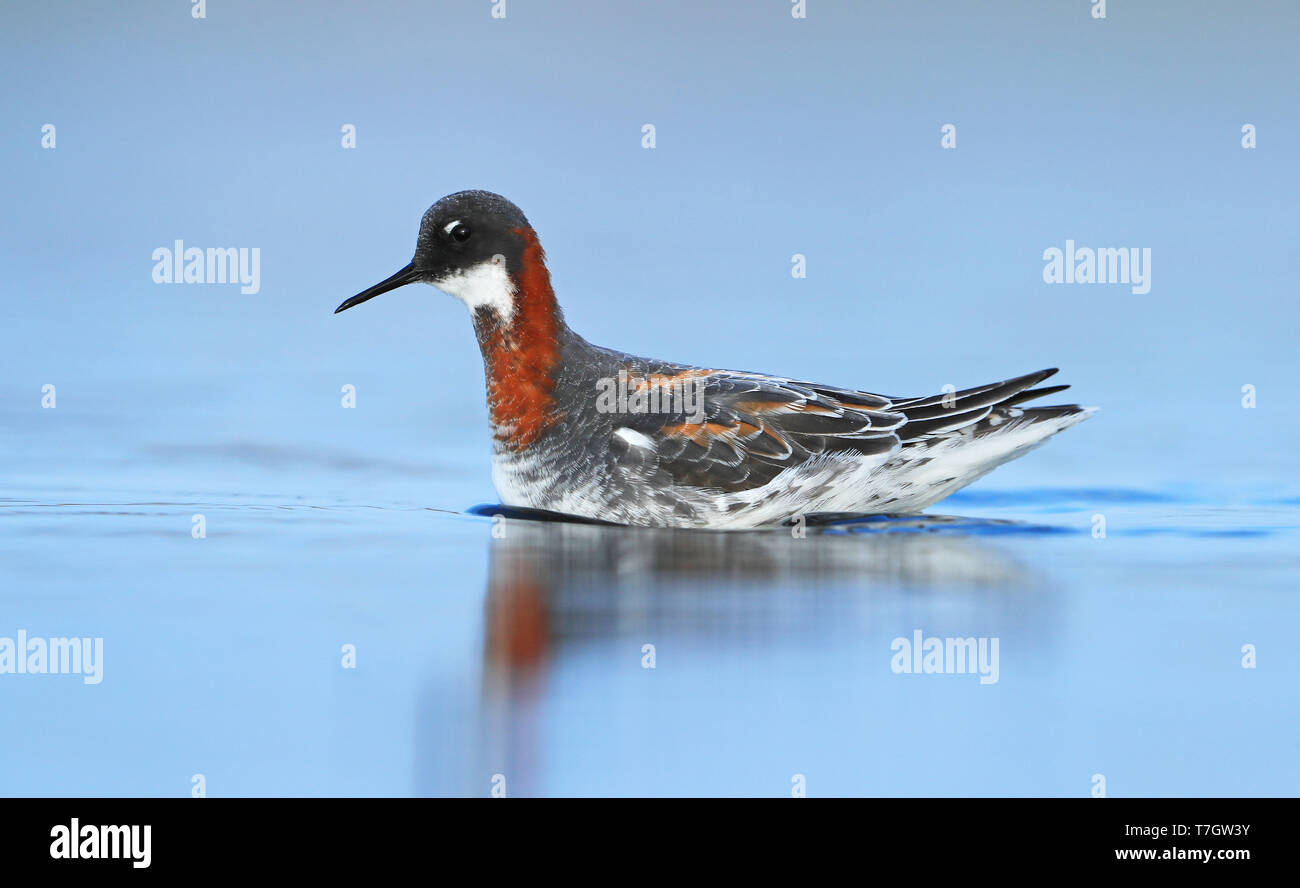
334	835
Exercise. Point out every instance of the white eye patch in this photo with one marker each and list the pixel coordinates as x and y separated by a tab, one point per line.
446	229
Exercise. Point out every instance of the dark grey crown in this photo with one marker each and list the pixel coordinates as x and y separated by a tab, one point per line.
483	225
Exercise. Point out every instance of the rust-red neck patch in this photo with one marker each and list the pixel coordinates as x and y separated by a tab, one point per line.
520	357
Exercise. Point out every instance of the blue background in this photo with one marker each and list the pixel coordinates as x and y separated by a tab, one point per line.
775	136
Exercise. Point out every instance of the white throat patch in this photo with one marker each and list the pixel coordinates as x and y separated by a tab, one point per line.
486	284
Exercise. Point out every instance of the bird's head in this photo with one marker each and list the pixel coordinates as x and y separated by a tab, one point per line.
476	246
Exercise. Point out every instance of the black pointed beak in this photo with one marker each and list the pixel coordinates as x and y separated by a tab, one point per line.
407	275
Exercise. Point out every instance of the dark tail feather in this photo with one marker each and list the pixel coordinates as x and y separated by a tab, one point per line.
966	399
1033	393
946	412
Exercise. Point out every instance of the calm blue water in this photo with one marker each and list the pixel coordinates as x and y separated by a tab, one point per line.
520	653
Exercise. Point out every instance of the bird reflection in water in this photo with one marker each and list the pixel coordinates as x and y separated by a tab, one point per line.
559	587
553	581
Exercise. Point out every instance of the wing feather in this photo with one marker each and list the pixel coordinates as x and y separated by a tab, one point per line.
747	428
750	427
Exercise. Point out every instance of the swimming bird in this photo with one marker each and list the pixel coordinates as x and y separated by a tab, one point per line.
597	433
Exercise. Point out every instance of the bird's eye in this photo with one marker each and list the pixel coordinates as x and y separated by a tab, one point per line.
460	233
